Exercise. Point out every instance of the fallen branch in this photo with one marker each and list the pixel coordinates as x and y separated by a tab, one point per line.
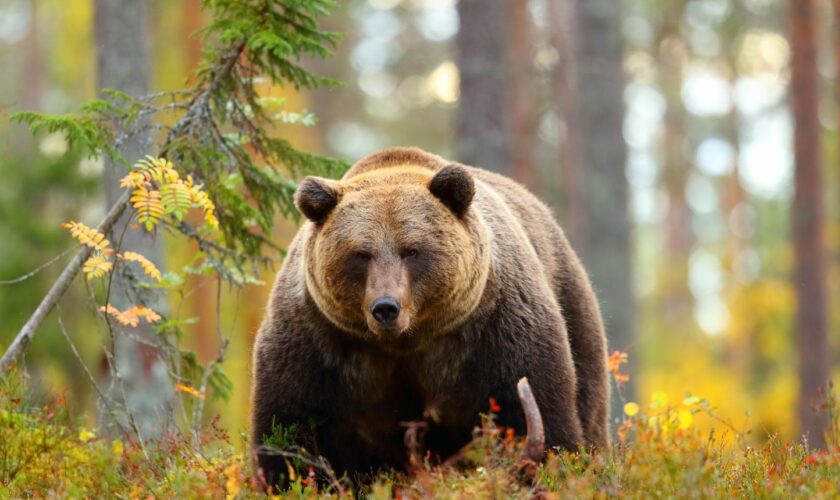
535	440
60	286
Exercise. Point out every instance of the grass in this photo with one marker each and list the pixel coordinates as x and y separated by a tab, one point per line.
659	452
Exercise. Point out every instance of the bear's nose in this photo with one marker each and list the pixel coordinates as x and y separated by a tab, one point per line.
385	309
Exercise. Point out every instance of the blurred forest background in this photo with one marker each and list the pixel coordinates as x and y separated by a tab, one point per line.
688	147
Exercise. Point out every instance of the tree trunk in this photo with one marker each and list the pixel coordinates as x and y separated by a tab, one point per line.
202	301
521	91
679	238
564	88
603	152
807	220
481	121
33	64
122	42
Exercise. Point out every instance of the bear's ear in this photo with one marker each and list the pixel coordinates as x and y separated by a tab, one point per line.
316	197
454	186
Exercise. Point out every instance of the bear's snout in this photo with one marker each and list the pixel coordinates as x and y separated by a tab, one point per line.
385	310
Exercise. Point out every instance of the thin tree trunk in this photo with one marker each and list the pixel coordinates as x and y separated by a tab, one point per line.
603	152
836	255
123	63
481	121
564	87
678	233
202	302
33	64
521	91
808	223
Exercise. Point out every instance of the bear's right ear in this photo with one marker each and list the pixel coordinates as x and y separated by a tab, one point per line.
316	197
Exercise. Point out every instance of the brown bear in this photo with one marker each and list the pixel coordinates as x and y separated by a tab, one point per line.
418	289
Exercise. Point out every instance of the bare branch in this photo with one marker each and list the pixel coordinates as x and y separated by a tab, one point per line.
60	286
35	271
535	442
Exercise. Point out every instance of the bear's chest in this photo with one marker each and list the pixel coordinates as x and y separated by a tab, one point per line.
385	390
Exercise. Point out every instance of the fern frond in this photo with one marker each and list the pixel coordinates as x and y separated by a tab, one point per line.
148	266
97	266
148	206
87	235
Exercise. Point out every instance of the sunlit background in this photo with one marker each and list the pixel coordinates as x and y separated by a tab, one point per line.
708	129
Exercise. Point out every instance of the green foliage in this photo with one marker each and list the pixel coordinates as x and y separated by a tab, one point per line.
225	138
282	436
87	131
266	40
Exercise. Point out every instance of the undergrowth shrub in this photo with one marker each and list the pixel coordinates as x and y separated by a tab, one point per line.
658	453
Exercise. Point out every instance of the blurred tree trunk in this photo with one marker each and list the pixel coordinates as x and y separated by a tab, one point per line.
481	121
672	56
202	301
33	66
564	85
521	91
808	223
837	98
600	94
122	44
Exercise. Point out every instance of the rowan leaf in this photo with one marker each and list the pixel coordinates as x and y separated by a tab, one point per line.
148	206
87	235
132	315
97	266
176	198
148	266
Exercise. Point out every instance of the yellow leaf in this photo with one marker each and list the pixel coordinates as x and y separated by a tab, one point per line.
201	200
117	447
684	419
86	435
148	266
134	180
631	409
234	480
87	235
131	316
145	313
96	266
192	391
148	206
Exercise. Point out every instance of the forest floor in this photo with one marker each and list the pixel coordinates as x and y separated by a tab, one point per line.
659	451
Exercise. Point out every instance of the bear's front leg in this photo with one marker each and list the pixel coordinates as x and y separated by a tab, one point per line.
286	401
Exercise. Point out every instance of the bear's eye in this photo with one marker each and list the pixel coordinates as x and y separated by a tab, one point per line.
410	253
361	255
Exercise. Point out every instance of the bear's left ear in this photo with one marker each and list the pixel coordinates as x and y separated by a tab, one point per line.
454	186
316	197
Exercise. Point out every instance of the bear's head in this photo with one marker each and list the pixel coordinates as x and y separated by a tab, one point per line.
395	255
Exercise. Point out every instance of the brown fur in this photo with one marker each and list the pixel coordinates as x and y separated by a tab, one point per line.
490	291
